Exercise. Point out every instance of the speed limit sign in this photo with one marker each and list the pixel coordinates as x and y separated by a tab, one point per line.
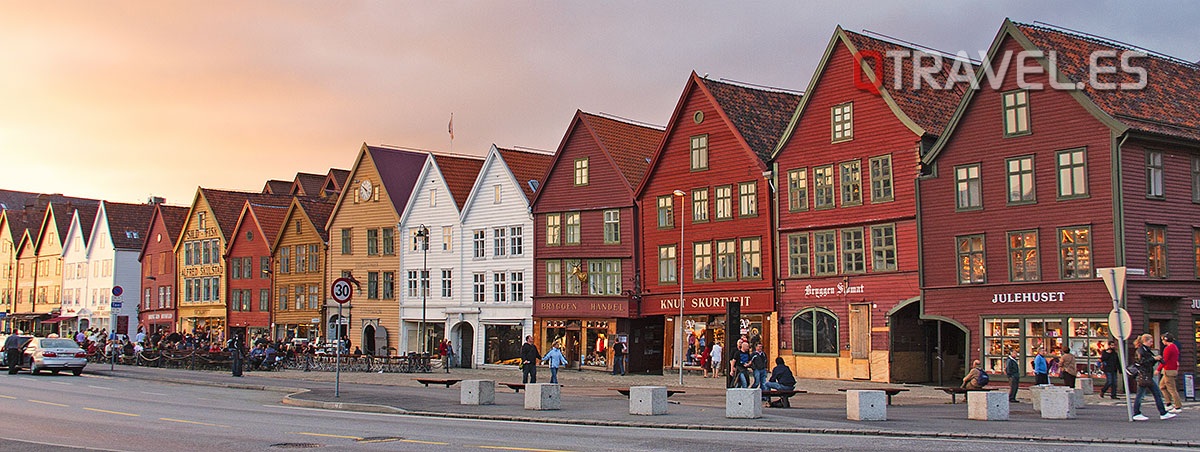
341	290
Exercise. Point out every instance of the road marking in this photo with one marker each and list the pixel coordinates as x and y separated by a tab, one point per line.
435	443
520	448
191	422
7	397
111	412
153	393
61	383
100	387
46	403
326	435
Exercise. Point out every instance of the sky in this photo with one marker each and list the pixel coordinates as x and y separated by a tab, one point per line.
123	100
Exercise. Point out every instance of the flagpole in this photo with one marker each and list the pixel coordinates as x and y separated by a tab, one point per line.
450	129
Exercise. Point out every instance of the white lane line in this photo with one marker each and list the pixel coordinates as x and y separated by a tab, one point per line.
153	393
182	421
63	383
100	387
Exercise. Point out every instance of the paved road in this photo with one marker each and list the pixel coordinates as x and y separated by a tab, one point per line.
104	412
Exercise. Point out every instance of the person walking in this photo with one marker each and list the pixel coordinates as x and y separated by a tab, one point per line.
1110	364
758	364
1146	361
556	359
1041	368
619	351
1068	370
1168	369
12	351
1012	369
715	359
529	358
235	352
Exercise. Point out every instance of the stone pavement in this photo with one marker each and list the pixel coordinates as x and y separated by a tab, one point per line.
588	399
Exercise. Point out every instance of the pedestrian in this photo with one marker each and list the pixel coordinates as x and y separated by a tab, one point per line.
1110	364
781	377
555	358
716	359
1041	371
235	352
740	365
1146	361
1068	370
705	363
971	380
529	358
1168	369
12	351
1012	369
444	352
758	364
619	351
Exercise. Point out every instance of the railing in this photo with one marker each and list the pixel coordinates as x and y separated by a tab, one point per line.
205	360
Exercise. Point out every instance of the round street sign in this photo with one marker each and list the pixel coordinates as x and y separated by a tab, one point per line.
117	291
341	290
1119	318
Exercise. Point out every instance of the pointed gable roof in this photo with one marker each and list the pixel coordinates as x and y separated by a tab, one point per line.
318	213
398	170
227	206
277	187
24	220
268	216
629	145
128	223
526	166
759	115
459	172
17	200
87	220
173	218
335	181
62	213
308	184
1168	105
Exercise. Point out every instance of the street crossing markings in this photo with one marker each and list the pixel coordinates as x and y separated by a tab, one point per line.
326	435
191	422
521	448
111	412
43	402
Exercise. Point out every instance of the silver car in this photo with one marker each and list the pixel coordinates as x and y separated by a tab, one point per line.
54	354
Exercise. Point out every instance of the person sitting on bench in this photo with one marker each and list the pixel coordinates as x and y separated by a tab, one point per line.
781	378
972	380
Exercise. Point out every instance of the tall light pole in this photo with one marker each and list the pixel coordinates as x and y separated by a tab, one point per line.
680	194
423	234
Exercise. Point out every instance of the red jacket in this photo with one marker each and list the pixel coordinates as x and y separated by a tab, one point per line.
1170	357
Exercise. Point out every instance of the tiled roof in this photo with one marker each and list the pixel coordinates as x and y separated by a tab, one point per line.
278	187
631	146
929	108
760	115
399	170
128	223
1168	105
63	212
270	219
338	177
11	199
526	166
319	213
308	184
87	219
460	172
227	206
173	218
20	220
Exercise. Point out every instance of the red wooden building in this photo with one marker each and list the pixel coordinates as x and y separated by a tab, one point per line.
708	182
248	266
158	269
1038	185
586	272
849	289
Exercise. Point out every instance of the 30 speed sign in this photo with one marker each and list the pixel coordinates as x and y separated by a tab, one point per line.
341	290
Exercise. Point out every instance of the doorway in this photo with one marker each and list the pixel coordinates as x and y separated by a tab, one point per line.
860	341
466	345
368	339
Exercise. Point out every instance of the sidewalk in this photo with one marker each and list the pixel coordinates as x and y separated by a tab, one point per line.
587	399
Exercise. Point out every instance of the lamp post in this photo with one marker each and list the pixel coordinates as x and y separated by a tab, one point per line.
423	234
680	194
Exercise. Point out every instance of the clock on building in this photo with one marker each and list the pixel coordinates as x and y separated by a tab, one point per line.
365	190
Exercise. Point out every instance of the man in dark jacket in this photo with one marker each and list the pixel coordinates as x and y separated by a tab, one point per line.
529	358
1110	363
781	378
12	351
1012	369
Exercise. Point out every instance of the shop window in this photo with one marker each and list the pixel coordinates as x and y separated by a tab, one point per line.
1196	250
1075	252
815	331
1046	333
695	328
596	350
999	337
1089	337
502	344
1086	338
1023	256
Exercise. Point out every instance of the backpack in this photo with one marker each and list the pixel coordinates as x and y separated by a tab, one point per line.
983	378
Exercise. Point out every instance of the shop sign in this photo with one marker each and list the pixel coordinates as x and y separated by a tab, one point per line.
164	316
1196	303
840	289
194	234
584	308
1029	297
202	270
760	301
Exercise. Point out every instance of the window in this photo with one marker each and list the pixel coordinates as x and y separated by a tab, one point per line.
235	269
301	258
419	239
883	248
389	286
823	178
851	183
373	285
1075	252
346	241
843	122
612	226
499	287
264	265
497	194
1156	251
281	302
825	244
1023	256
1154	174
1016	113
389	241
425	283
1196	249
516	286
881	179
666	212
853	251
478	286
477	243
700	205
432	197
798	263
499	242
604	277
314	296
969	187
726	260
699	152
798	190
702	265
447	239
971	266
724	202
574	285
815	331
666	264
747	199
447	283
412	284
1020	180
572	231
581	171
285	259
752	258
553	229
554	277
516	241
1072	174
1195	179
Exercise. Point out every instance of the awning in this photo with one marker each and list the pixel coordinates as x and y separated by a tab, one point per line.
27	316
57	319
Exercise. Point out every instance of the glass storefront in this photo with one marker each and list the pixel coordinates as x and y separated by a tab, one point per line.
586	343
596	354
502	344
435	331
1086	337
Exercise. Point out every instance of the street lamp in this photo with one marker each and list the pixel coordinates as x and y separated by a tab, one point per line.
680	194
423	234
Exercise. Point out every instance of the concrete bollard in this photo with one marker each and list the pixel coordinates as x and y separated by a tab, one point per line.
477	392
866	405
987	405
543	396
743	403
1086	385
648	400
1057	403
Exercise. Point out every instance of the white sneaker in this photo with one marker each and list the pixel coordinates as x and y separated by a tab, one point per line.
1175	410
1167	416
1140	417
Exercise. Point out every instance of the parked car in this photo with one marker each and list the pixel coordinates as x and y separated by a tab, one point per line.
3	354
53	354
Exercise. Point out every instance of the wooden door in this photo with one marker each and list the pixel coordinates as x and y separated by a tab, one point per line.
860	341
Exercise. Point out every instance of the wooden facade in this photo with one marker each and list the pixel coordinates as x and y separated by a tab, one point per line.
302	228
248	294
158	269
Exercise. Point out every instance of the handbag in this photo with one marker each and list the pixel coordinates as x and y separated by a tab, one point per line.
1133	370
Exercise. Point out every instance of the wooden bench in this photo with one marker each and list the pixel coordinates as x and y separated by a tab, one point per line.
783	396
954	392
889	391
670	392
436	381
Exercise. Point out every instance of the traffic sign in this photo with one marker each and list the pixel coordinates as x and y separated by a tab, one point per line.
117	291
341	291
116	304
1120	323
1114	280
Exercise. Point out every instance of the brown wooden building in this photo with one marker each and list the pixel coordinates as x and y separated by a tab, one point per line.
302	233
158	269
